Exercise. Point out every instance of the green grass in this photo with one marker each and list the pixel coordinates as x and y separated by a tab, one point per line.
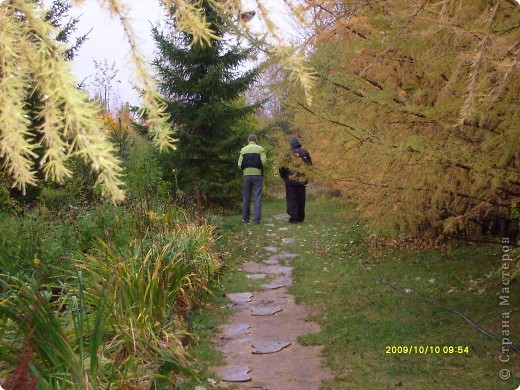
203	325
337	278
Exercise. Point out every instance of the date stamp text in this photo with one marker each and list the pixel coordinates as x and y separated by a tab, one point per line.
426	349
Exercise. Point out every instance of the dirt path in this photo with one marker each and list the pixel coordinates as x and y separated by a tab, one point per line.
260	342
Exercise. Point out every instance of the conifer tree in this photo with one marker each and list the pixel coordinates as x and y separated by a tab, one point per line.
55	16
415	114
203	84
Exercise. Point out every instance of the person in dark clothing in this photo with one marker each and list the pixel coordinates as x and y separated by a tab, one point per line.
293	173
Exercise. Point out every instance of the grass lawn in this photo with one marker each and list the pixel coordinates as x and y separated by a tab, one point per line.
338	278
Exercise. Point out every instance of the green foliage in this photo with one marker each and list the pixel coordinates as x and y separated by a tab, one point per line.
114	315
143	174
33	243
150	292
203	89
47	337
55	198
68	220
58	11
79	190
95	295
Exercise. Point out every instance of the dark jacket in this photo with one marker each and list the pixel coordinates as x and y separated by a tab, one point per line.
292	171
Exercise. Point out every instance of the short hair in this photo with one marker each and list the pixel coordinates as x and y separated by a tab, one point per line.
251	138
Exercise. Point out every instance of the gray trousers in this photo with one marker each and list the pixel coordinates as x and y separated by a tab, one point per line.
252	186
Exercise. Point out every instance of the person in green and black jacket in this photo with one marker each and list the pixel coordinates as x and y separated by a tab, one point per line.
251	161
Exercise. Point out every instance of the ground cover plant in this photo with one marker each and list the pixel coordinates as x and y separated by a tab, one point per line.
95	295
340	276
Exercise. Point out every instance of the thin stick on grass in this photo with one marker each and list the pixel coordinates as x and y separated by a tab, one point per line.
458	313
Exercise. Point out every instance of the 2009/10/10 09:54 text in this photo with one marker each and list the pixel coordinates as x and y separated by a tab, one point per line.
426	349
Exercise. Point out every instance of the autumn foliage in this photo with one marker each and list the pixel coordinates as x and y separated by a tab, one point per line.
415	115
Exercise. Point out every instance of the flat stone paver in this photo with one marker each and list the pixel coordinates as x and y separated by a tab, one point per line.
277	284
260	347
265	310
283	255
236	329
256	276
271	262
294	368
256	268
240	297
234	373
272	269
262	338
283	270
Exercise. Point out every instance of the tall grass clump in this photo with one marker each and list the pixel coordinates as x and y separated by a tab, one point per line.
50	338
112	321
153	286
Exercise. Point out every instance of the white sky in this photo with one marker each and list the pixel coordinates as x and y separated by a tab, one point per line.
106	40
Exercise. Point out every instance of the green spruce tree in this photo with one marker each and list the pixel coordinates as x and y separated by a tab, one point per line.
203	85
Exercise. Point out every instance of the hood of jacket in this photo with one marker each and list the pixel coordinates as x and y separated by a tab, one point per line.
295	143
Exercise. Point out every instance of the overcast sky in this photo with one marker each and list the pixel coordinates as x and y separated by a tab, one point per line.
106	40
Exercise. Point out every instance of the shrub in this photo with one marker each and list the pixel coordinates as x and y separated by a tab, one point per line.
117	316
34	242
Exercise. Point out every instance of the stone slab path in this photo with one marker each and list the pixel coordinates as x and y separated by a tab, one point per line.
260	342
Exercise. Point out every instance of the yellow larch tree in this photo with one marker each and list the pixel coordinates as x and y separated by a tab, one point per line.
415	113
